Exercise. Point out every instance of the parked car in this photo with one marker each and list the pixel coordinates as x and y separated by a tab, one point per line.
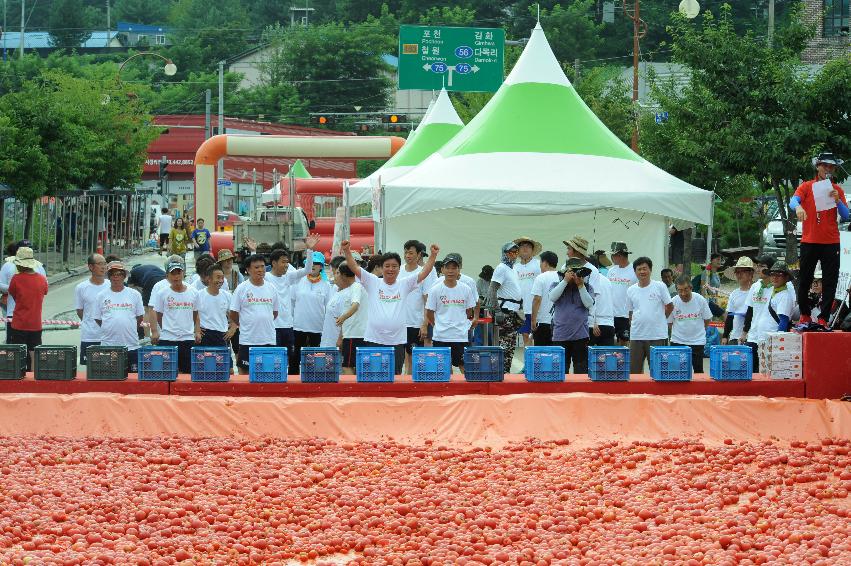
227	218
774	237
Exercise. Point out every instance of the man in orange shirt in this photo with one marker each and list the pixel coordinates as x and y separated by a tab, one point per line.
820	241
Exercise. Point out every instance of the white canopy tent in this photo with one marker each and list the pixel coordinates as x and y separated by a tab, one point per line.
536	161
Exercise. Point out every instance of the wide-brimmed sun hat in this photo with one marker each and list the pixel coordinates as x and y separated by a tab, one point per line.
26	258
578	243
536	245
224	255
743	262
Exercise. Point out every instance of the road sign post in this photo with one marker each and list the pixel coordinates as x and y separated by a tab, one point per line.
460	59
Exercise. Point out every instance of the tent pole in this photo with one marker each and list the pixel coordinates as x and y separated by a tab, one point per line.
709	230
346	214
383	220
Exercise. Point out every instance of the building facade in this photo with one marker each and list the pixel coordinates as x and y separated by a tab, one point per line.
831	19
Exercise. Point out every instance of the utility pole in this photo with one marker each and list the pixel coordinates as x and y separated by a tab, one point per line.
639	30
108	22
221	113
207	103
23	26
770	22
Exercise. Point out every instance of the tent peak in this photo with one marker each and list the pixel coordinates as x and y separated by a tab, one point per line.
537	63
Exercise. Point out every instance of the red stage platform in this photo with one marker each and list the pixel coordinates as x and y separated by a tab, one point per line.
239	386
827	364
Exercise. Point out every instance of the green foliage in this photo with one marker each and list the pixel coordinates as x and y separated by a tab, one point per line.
68	24
572	30
352	73
609	97
206	33
448	16
141	11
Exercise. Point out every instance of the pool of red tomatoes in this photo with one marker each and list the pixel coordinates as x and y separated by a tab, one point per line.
231	501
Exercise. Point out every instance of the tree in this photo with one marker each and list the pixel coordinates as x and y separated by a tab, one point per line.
68	24
333	68
572	30
748	109
141	11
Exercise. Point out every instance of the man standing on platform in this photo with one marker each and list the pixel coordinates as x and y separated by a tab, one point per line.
542	306
622	277
528	268
417	327
85	297
817	203
688	321
649	305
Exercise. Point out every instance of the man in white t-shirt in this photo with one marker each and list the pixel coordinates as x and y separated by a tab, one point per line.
622	276
450	309
164	221
177	315
213	307
85	297
601	319
417	327
649	305
760	294
386	299
465	279
688	321
505	293
254	307
542	306
118	311
353	320
528	267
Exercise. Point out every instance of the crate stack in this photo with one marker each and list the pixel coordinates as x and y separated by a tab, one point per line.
781	355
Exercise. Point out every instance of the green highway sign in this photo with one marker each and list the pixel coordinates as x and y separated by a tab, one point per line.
461	59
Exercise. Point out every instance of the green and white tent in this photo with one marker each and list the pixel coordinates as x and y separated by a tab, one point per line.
297	170
536	161
440	123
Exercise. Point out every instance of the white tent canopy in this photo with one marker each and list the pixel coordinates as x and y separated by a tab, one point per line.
537	161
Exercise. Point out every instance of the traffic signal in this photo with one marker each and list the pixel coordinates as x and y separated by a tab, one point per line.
323	119
163	171
398	127
394	118
364	126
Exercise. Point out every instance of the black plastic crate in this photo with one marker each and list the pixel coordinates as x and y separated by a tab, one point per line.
56	363
13	361
106	363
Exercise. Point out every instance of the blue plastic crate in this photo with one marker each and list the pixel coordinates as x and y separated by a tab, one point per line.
267	365
375	365
211	363
320	365
731	363
483	363
608	363
670	363
158	363
431	364
544	363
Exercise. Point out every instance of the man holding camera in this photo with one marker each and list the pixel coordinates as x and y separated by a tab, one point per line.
572	300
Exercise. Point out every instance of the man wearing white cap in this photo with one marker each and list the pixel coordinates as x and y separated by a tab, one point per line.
817	203
528	267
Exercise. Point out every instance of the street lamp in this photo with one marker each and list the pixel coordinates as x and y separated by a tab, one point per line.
169	68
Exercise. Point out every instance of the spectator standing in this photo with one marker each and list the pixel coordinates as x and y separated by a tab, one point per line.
667	276
254	308
816	291
601	262
164	223
119	312
482	285
386	300
450	308
820	241
178	240
688	321
710	283
417	327
8	271
215	329
758	298
232	276
177	315
737	304
542	306
144	278
676	248
528	267
601	322
505	294
200	239
649	305
622	277
310	299
86	295
465	279
572	300
28	289
331	333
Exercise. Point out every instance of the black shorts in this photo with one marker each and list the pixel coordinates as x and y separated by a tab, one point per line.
83	354
622	328
413	338
457	349
350	349
30	338
163	240
242	356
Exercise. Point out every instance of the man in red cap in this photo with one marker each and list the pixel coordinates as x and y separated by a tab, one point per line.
817	203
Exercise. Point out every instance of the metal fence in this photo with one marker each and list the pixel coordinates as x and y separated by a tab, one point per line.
67	228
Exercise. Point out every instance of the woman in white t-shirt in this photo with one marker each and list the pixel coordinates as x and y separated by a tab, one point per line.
386	298
310	297
688	321
737	304
118	311
505	293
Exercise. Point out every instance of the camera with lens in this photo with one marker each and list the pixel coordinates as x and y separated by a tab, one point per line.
579	272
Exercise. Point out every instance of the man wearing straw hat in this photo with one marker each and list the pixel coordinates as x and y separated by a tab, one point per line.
28	289
737	304
528	267
817	203
119	312
601	322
